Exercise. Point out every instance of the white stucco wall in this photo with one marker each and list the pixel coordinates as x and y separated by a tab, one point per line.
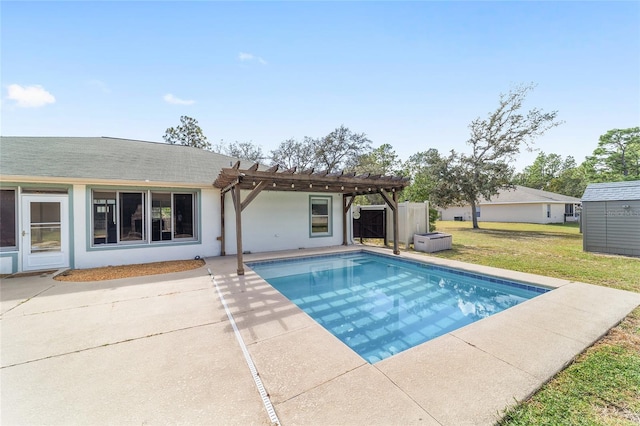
6	263
523	213
272	221
526	213
455	211
279	221
88	257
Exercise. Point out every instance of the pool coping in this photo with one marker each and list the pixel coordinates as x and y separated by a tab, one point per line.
468	376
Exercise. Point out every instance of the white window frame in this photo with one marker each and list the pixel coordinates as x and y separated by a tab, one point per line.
147	224
329	215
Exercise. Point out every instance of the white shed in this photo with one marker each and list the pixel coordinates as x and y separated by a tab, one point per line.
611	218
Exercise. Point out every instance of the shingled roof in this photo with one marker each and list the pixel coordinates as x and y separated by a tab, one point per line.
612	191
108	159
523	194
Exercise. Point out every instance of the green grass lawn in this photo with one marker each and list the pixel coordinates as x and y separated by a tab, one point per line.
602	386
551	250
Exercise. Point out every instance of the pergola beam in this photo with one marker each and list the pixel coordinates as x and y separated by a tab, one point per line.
388	200
253	194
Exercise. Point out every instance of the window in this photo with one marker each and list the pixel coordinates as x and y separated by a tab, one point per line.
46	226
161	224
320	216
123	217
104	218
132	221
184	217
568	209
548	210
478	211
173	216
8	228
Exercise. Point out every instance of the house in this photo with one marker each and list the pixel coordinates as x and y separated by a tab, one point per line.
611	218
520	204
82	202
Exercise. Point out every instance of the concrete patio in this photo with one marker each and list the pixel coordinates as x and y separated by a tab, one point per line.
161	349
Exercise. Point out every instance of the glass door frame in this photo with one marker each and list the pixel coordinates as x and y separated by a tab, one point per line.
45	259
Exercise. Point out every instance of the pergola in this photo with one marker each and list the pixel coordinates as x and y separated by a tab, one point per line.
233	179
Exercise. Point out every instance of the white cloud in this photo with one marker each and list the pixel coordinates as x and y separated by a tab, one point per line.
245	57
169	98
29	96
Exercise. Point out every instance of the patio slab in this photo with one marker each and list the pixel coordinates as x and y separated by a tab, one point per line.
507	339
65	294
300	360
161	349
41	335
457	383
363	396
13	296
181	377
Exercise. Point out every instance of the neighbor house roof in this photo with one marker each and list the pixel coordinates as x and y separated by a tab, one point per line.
99	159
522	194
612	191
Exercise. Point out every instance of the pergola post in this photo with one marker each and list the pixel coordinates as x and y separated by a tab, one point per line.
345	208
238	207
396	249
393	204
222	230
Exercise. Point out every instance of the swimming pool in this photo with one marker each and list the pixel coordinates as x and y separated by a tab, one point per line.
380	305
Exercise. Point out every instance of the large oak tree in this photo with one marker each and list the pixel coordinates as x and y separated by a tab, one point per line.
495	142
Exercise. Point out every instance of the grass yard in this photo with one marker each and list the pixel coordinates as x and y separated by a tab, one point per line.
602	386
551	250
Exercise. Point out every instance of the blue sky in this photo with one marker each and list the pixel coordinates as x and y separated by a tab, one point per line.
411	74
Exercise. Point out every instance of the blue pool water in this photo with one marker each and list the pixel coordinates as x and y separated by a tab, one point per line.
379	305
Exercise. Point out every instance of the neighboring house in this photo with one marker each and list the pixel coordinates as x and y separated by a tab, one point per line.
521	204
84	202
611	218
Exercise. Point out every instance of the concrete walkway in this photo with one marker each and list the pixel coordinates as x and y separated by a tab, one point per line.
160	349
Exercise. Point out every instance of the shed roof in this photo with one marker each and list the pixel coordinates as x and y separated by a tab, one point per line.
612	191
523	194
105	158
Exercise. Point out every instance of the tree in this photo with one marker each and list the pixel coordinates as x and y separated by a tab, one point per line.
381	161
544	170
188	133
291	153
242	150
495	141
617	156
572	181
424	170
541	172
340	149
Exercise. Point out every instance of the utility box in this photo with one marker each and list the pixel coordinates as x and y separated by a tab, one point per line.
431	242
